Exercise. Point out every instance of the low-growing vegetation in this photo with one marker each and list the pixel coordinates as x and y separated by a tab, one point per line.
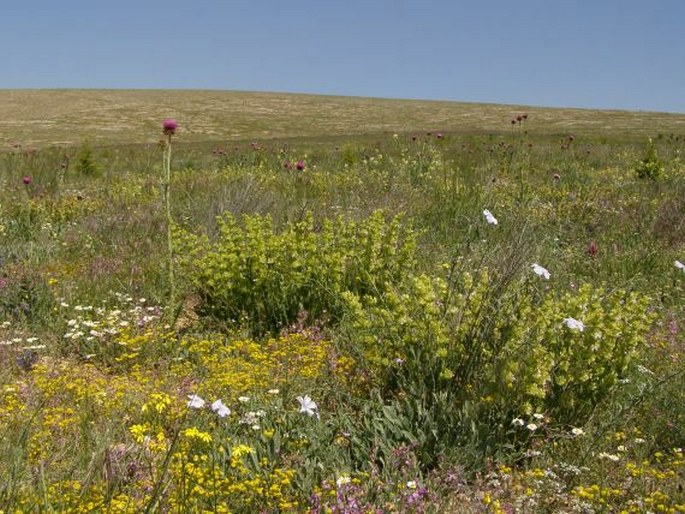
411	322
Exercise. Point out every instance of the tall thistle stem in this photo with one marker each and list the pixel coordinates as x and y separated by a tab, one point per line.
169	130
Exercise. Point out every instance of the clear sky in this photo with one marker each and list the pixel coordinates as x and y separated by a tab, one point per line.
625	54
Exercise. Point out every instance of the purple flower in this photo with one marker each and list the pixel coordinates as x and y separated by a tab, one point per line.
300	165
170	125
27	180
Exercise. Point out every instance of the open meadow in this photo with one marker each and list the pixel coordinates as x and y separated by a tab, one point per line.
296	303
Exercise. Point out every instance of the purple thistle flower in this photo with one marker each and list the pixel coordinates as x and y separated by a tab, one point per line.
300	165
170	125
27	180
592	249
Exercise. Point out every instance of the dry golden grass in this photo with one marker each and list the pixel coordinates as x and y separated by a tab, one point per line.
38	118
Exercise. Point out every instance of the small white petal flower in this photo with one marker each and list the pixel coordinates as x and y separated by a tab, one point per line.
518	422
343	480
307	405
489	217
220	408
574	324
537	415
195	402
610	456
273	391
680	265
411	484
243	399
540	271
531	426
577	431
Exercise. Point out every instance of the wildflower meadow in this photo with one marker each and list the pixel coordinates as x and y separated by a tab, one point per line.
401	317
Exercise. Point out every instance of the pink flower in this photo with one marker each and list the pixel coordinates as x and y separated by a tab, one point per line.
170	125
27	180
300	165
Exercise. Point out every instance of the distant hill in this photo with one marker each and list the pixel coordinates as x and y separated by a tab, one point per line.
38	118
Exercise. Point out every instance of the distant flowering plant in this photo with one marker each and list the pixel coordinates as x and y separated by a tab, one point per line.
27	180
679	265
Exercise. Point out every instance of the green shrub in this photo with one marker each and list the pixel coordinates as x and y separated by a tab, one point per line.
254	274
650	166
86	164
463	358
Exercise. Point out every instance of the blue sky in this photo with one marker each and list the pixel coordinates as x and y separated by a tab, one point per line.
623	54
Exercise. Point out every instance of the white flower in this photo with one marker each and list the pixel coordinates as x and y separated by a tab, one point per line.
307	405
220	408
195	402
518	422
610	456
489	217
574	324
411	484
531	426
343	480
540	271
273	391
679	265
537	415
577	431
243	399
644	370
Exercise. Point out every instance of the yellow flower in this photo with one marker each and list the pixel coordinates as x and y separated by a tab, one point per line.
194	433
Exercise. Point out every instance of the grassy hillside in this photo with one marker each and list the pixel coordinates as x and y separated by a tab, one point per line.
65	117
338	305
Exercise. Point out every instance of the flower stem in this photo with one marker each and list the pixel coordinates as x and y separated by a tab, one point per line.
169	222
